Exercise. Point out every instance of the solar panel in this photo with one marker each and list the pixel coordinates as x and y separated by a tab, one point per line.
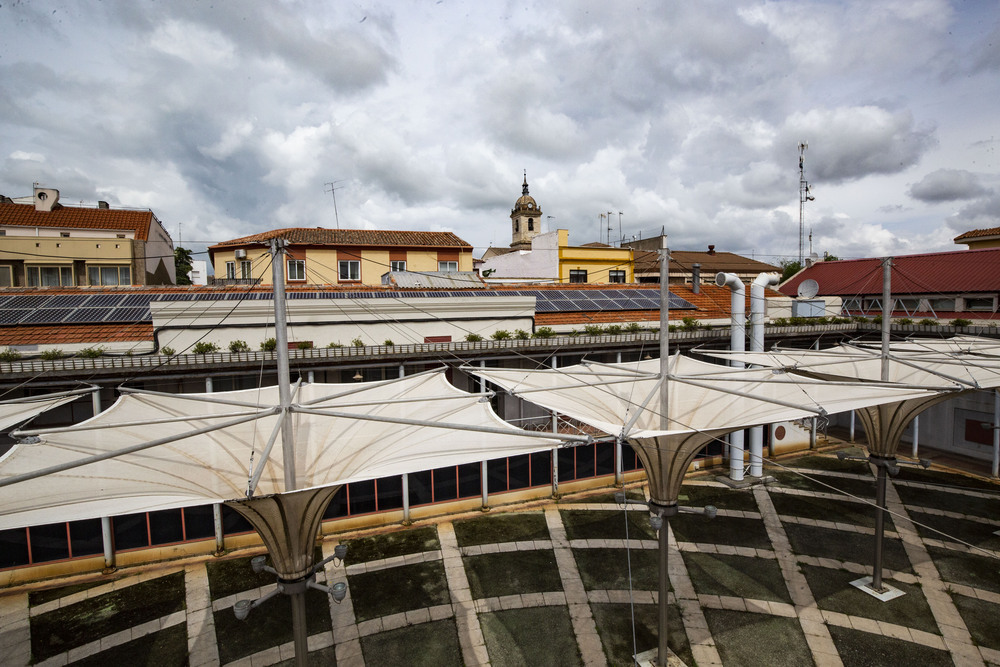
66	301
29	301
128	315
85	315
545	307
135	300
46	316
13	316
102	300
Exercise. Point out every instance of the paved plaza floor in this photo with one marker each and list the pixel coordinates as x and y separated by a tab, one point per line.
573	582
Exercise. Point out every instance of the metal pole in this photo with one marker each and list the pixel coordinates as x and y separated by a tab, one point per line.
916	434
619	475
299	632
109	547
886	314
208	384
95	401
812	434
220	536
406	499
851	433
555	457
879	524
281	348
483	470
996	433
664	332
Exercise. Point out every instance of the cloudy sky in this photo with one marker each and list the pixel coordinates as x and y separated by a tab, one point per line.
233	117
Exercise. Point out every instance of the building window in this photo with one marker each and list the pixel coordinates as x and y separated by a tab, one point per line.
979	303
616	276
49	276
531	224
517	226
246	269
397	265
349	269
109	275
6	276
449	267
230	270
64	235
578	275
296	269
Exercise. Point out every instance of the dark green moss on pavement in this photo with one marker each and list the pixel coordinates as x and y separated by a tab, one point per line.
609	568
845	546
432	644
615	628
746	639
958	567
398	589
739	576
506	527
268	625
862	649
981	618
532	636
606	525
729	530
391	545
166	648
696	495
511	573
825	509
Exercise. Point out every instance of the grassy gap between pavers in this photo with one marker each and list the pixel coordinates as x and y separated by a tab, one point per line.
62	629
728	530
958	567
745	638
846	546
817	482
608	569
637	493
166	648
433	644
268	625
390	545
986	508
37	598
937	527
981	618
864	649
531	636
830	463
324	657
606	525
512	573
825	509
234	575
724	498
497	528
932	476
397	589
615	628
737	576
833	591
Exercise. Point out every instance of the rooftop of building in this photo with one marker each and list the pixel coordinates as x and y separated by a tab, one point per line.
320	236
14	214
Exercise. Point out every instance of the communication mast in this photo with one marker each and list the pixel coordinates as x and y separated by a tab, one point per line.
804	196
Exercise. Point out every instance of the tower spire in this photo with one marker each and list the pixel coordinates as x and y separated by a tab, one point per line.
524	188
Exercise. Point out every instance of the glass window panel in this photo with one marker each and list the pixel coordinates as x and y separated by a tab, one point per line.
397	265
630	460
296	269
66	274
13	547
33	279
6	277
605	458
48	542
445	484
230	270
338	505
130	531
584	461
541	468
85	537
349	269
362	497
390	493
165	527
469	480
109	275
246	270
567	464
496	475
450	267
518	472
233	522
124	275
199	522
421	492
93	275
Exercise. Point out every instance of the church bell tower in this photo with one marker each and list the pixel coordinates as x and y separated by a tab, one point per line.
525	219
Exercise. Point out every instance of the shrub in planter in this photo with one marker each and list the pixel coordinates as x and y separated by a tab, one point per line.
501	334
544	332
51	355
10	354
238	346
473	338
269	345
959	322
168	351
204	347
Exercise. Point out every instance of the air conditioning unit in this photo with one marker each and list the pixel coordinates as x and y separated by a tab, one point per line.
241	254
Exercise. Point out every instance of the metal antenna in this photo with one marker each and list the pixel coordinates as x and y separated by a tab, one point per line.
804	196
609	227
332	189
621	238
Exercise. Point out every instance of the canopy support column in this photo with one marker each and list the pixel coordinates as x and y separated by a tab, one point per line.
109	545
555	458
663	604
406	499
916	435
996	433
220	535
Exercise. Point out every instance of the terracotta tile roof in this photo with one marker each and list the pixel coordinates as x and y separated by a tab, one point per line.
355	237
77	217
75	333
977	233
958	271
681	260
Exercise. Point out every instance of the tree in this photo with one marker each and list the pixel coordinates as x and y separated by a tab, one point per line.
827	257
789	267
182	264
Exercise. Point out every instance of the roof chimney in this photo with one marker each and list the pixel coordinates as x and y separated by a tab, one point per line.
46	199
711	250
102	204
696	278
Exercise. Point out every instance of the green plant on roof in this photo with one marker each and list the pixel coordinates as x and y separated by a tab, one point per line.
90	352
544	332
633	327
204	347
927	322
613	329
521	334
238	346
690	324
357	342
168	351
387	342
903	321
51	355
473	338
593	329
10	354
334	345
269	345
959	322
304	345
500	334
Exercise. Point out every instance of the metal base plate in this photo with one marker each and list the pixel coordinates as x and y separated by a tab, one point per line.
865	584
648	659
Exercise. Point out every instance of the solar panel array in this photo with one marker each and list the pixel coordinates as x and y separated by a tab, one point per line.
128	308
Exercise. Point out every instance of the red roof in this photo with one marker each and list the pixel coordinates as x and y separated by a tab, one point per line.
78	217
355	237
978	233
958	271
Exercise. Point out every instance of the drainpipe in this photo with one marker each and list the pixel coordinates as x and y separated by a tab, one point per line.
737	343
757	308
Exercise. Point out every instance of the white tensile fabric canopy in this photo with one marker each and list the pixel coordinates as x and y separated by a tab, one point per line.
342	433
703	396
20	410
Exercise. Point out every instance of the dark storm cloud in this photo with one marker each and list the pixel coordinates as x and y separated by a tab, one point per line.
947	185
980	214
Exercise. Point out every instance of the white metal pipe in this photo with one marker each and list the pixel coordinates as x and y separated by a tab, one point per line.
851	433
916	434
220	536
95	401
555	457
737	343
208	384
406	498
664	336
109	549
482	466
758	307
281	349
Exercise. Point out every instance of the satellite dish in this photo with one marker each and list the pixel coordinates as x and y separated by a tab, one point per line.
808	288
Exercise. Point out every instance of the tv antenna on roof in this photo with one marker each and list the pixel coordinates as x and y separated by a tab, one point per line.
804	195
332	189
